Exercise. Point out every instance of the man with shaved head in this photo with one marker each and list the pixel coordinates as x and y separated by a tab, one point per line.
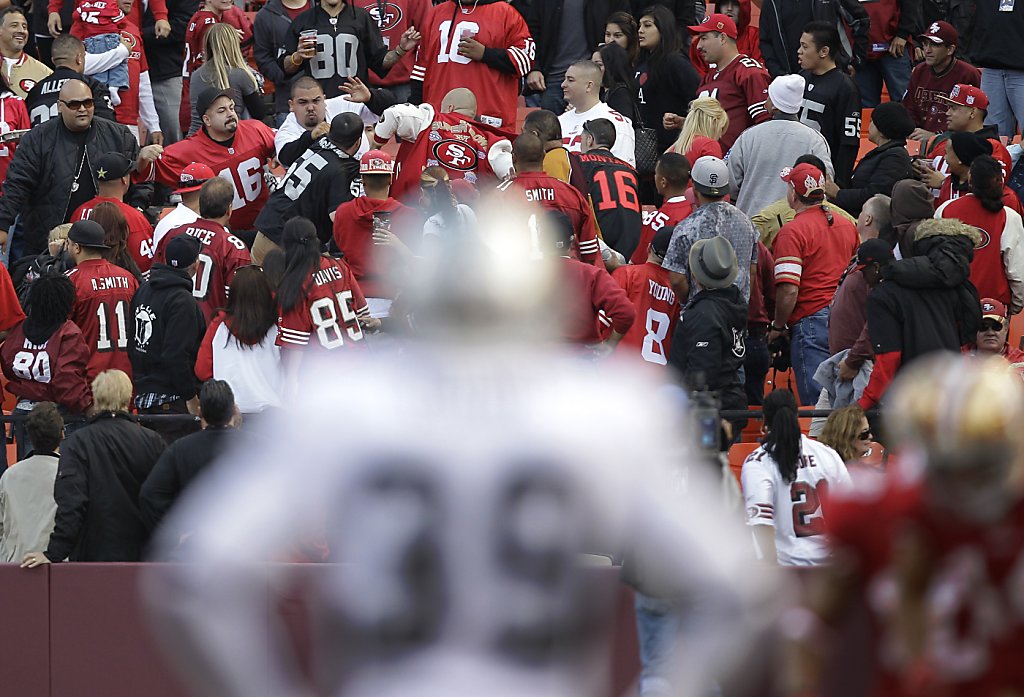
582	89
54	168
450	137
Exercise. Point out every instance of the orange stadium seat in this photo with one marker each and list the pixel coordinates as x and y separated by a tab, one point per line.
737	454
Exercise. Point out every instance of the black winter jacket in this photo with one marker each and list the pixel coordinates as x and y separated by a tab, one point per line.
102	467
182	461
270	34
166	56
169	328
544	19
38	184
876	173
709	345
783	21
943	249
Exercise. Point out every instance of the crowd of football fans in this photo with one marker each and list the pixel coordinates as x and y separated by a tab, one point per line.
197	194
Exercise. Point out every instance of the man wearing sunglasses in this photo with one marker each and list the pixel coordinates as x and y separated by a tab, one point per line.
993	337
54	168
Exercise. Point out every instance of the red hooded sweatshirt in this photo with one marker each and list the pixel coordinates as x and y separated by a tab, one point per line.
748	40
353	233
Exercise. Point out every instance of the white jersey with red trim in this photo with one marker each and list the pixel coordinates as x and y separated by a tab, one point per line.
441	68
794	509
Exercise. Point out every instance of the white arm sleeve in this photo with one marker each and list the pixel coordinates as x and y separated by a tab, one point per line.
147	110
98	62
403	121
499	157
290	130
1013	258
759	489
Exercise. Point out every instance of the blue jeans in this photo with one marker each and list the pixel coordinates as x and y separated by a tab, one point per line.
116	76
551	98
808	348
756	365
1005	92
657	625
894	71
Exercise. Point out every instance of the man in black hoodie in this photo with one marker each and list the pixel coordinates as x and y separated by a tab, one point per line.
168	329
710	345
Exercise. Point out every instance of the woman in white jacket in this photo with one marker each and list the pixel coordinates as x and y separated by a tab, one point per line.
240	344
786	483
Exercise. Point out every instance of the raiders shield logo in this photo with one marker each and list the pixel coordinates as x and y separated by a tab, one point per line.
454	154
392	14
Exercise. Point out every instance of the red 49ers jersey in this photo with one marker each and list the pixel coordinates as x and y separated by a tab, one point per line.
140	232
222	254
440	67
973	616
741	88
103	298
96	17
670	214
451	141
127	112
657	311
13	117
240	162
555	195
393	17
328	316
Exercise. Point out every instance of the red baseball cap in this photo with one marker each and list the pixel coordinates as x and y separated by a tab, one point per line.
717	22
807	180
376	162
193	177
941	33
993	309
967	95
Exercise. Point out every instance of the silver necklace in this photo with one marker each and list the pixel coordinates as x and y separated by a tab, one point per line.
81	164
468	12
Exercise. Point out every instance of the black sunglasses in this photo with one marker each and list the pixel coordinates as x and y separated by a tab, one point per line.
76	104
991	326
864	435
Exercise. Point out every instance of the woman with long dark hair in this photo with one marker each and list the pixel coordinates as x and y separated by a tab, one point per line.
786	483
666	80
618	88
319	298
115	225
240	346
621	29
997	269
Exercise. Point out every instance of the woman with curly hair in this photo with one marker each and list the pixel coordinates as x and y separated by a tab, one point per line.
848	433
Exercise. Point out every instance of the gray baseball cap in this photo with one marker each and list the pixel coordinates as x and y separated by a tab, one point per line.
710	176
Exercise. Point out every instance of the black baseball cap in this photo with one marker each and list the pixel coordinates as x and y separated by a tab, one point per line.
112	165
661	240
182	251
208	96
88	234
346	129
873	251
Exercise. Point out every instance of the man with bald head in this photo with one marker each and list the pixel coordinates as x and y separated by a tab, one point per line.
582	89
451	138
54	168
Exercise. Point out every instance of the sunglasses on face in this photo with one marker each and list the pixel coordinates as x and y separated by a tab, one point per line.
76	104
864	435
990	326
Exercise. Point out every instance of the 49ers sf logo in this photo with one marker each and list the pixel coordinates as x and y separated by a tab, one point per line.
454	154
392	14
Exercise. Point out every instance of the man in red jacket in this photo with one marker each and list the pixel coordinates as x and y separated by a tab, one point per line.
356	221
894	24
592	302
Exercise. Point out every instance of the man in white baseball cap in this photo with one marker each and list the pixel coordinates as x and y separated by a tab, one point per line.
763	150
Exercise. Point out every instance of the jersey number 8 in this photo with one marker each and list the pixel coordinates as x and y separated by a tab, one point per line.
325	313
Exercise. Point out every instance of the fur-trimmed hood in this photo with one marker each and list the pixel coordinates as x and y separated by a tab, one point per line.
947	227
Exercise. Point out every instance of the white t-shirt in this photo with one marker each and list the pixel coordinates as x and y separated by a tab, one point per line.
625	140
181	215
794	510
291	129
